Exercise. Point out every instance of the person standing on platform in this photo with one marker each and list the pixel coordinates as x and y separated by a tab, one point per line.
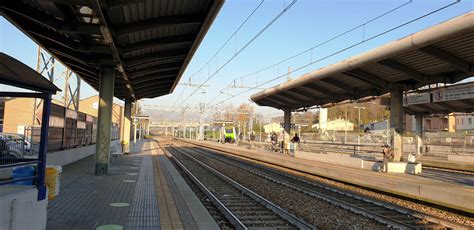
387	156
295	142
252	140
274	140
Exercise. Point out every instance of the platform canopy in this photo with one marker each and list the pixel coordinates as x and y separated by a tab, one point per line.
443	53
149	42
15	73
441	100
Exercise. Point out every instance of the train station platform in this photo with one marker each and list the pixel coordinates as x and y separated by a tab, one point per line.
449	194
141	191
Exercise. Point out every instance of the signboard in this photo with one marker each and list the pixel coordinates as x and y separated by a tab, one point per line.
455	92
416	98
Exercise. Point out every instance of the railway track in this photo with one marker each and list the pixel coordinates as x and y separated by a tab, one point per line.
449	170
391	215
243	208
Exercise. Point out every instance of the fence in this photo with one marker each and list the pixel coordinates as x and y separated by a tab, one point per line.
68	129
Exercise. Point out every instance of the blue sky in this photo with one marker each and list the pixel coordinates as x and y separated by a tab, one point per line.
306	24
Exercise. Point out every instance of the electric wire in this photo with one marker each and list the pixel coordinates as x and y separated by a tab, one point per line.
347	48
241	49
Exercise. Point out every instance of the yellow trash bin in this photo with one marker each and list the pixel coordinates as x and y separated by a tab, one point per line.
52	180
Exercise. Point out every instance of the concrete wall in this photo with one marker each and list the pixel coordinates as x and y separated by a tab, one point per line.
461	158
20	209
333	158
71	155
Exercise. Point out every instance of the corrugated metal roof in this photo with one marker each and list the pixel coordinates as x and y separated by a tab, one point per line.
15	73
138	35
440	54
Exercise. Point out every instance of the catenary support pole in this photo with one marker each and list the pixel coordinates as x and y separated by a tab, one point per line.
106	93
286	128
396	123
418	134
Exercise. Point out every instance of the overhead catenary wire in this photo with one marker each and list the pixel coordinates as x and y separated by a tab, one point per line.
347	48
221	47
242	49
362	25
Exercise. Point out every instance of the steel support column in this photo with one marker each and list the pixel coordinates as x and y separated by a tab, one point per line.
106	92
418	134
127	122
43	148
286	128
396	123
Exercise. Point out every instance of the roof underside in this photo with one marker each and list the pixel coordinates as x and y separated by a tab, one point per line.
148	42
441	54
15	73
445	107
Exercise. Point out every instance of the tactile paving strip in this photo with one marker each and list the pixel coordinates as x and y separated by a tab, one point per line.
144	213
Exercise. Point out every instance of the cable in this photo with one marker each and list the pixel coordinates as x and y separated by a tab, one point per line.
317	45
222	46
241	49
349	47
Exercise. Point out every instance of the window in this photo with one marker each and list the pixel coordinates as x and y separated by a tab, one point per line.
470	120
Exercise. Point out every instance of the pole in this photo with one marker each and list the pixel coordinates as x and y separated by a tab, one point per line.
345	128
43	148
106	92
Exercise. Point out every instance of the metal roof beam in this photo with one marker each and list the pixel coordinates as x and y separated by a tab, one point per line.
155	69
449	58
153	89
127	29
298	95
156	85
409	111
152	43
424	107
290	96
285	99
271	102
66	42
136	62
368	78
152	77
307	90
468	103
341	85
402	69
113	43
40	18
445	105
320	89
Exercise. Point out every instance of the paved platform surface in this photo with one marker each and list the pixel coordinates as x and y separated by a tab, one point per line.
452	195
136	194
444	163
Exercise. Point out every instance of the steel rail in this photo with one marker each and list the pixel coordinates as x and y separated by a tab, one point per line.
299	223
234	220
337	201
